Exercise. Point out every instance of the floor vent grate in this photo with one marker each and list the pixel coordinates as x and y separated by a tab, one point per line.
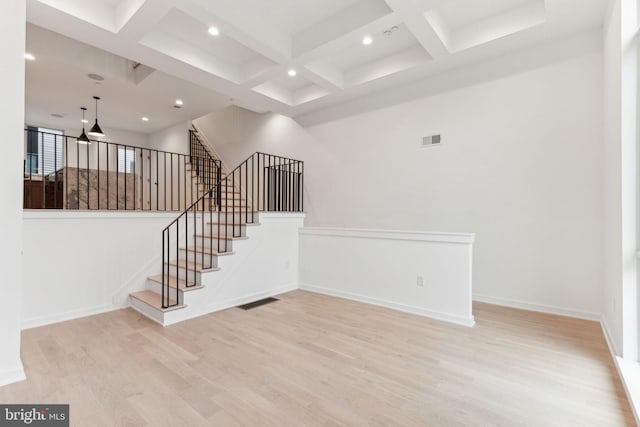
258	303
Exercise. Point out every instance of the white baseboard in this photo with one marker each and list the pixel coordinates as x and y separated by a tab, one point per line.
69	315
459	320
629	373
230	303
506	302
12	375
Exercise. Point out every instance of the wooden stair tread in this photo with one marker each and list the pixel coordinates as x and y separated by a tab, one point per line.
223	197
215	236
155	300
237	223
229	212
192	266
206	251
183	285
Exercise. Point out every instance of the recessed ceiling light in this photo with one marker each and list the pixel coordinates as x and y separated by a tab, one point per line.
179	102
29	56
292	73
84	121
145	119
367	41
57	115
214	31
96	77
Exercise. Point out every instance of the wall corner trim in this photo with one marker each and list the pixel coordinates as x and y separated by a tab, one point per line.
628	371
458	320
421	236
69	315
541	308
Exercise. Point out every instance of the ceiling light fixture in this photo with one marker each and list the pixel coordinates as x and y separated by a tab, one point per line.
29	56
96	130
83	138
292	73
214	31
145	119
367	40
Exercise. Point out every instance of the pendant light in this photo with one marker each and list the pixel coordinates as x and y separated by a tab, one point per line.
83	138
95	130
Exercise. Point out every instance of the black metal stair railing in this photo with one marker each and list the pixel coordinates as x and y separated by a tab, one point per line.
62	172
204	164
191	243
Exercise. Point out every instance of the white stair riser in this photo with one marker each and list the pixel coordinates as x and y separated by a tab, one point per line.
215	244
181	273
157	288
198	258
237	216
149	311
226	229
192	227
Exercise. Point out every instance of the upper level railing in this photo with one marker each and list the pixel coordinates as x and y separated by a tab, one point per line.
192	242
62	172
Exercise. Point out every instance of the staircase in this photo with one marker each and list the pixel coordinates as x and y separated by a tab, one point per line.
195	242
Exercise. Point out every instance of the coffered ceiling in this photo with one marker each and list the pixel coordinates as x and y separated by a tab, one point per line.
260	41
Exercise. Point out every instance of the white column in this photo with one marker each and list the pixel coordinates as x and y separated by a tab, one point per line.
12	46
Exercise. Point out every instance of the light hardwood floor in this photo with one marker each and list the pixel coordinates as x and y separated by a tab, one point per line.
320	361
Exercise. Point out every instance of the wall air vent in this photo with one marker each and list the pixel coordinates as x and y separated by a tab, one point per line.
430	141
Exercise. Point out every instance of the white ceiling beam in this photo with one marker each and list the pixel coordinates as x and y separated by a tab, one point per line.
258	70
95	12
413	16
308	94
135	18
264	76
504	24
324	75
275	92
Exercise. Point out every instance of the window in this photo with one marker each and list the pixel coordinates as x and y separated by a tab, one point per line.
126	160
44	150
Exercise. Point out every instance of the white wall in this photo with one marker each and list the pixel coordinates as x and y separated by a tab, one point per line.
12	43
82	263
174	139
384	268
520	166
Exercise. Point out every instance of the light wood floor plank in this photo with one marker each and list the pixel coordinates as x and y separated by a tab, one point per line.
313	360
